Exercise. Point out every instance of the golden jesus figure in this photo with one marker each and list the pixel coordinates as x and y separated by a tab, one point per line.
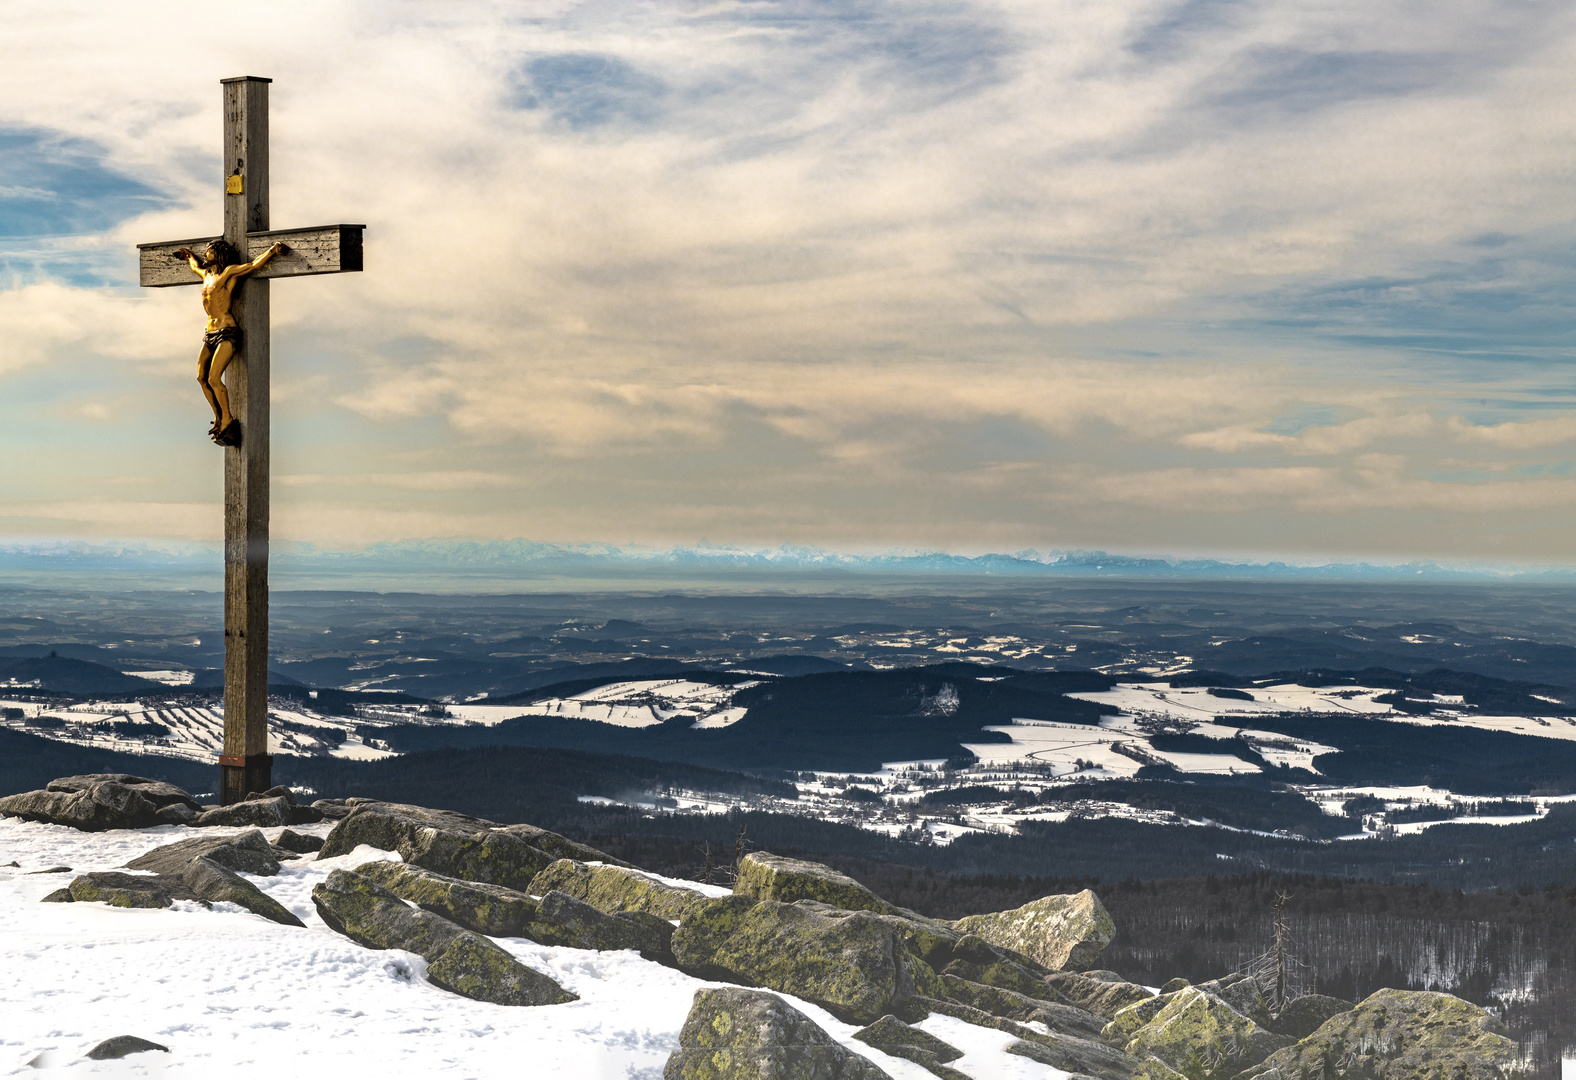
220	269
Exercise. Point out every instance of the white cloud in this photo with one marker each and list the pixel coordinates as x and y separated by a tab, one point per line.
799	272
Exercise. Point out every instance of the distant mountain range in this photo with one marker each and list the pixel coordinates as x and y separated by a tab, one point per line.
532	559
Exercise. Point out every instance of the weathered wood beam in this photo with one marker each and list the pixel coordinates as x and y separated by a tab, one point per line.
245	765
321	249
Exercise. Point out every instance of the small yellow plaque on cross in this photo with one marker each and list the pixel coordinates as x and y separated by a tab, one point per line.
232	184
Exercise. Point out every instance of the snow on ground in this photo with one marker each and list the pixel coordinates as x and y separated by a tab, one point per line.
1216	764
195	731
1060	745
233	994
168	678
1196	704
645	703
1412	828
1547	727
1193	705
1281	749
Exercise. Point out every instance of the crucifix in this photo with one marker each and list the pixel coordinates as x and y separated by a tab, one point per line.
234	271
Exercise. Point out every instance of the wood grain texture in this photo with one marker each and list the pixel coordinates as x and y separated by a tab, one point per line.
320	249
246	466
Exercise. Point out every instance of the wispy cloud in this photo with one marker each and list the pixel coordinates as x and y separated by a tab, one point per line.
986	274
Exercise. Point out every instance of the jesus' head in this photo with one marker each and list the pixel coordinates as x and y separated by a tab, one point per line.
218	255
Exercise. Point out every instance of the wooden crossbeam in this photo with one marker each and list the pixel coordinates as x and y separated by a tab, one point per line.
321	249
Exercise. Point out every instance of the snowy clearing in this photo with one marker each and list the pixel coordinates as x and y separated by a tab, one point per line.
646	703
1059	745
1196	704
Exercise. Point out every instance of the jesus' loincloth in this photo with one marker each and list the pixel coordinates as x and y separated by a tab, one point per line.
212	338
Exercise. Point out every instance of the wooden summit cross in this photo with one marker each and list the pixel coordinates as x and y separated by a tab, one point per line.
245	765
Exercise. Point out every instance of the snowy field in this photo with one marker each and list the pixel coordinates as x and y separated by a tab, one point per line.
1196	704
1547	727
633	704
195	732
1059	745
232	994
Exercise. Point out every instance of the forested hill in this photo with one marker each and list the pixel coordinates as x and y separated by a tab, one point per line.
846	720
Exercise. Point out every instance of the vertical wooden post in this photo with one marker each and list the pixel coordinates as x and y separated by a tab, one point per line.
245	764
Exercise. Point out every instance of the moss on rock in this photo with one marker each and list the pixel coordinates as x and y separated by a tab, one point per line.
1060	932
1102	996
1058	1017
563	920
614	888
735	1034
465	962
1305	1015
216	883
1400	1035
1203	1038
764	876
247	853
487	909
852	964
474	967
129	890
891	1036
1083	1057
1125	1024
560	847
496	858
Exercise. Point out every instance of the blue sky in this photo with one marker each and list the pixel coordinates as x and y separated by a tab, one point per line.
1217	277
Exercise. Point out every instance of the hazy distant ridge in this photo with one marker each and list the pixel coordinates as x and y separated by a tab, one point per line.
590	558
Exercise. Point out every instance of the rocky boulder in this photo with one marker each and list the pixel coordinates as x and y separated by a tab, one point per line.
613	888
1203	1038
247	853
1399	1035
1102	996
487	909
262	813
733	1034
949	950
458	960
129	890
891	1036
976	960
1303	1016
387	825
215	883
563	920
1242	993
476	968
100	801
445	842
561	847
123	1046
299	843
334	809
1025	1009
1125	1024
853	964
1082	1057
764	876
1060	932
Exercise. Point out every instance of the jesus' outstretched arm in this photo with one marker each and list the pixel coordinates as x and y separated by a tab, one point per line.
261	261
